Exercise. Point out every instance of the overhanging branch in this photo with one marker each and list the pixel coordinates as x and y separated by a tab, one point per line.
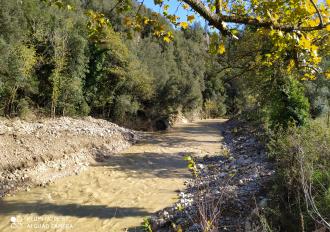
318	12
217	20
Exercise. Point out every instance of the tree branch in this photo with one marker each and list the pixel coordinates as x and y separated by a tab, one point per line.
115	6
213	19
318	12
217	6
141	3
217	20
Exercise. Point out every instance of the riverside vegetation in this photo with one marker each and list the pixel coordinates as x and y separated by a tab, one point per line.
125	63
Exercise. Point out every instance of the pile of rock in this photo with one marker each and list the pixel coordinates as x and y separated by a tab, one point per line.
36	153
228	189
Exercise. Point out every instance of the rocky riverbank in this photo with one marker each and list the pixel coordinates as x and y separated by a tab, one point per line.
37	153
227	192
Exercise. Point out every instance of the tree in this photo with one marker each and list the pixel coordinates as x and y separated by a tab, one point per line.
300	28
279	15
117	82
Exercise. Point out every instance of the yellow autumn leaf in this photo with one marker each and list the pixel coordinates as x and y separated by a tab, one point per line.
190	18
327	75
158	2
305	43
146	21
213	8
185	6
184	25
69	7
166	7
167	39
291	65
269	14
328	27
308	76
221	49
157	33
102	21
127	21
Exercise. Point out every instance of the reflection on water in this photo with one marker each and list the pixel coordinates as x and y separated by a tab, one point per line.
118	194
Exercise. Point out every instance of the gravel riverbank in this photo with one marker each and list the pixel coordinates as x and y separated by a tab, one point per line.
228	191
37	153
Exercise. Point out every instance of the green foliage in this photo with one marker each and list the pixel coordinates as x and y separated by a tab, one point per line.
75	61
318	92
24	109
48	58
214	93
117	82
16	65
146	225
303	164
275	98
289	103
191	165
213	109
261	92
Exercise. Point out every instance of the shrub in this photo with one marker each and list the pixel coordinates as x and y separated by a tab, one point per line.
302	190
24	110
288	103
213	108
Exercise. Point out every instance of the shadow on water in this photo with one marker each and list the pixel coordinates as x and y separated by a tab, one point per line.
183	135
74	210
160	154
173	141
149	164
136	229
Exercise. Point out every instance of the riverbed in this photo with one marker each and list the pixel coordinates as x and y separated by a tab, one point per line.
117	194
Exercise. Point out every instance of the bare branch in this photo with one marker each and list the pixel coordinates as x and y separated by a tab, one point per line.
177	8
138	11
115	6
307	189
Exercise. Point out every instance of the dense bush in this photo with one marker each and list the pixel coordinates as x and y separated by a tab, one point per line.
288	103
301	193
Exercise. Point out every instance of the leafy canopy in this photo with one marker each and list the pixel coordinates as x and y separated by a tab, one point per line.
298	28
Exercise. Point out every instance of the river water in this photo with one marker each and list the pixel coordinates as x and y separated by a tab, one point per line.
118	194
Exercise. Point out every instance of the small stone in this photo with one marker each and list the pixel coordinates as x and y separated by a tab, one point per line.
166	214
13	220
263	203
201	166
223	174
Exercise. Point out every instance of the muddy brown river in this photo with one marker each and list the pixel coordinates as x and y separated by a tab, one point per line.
118	194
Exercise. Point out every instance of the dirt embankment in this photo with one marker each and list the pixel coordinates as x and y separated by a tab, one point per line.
38	153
